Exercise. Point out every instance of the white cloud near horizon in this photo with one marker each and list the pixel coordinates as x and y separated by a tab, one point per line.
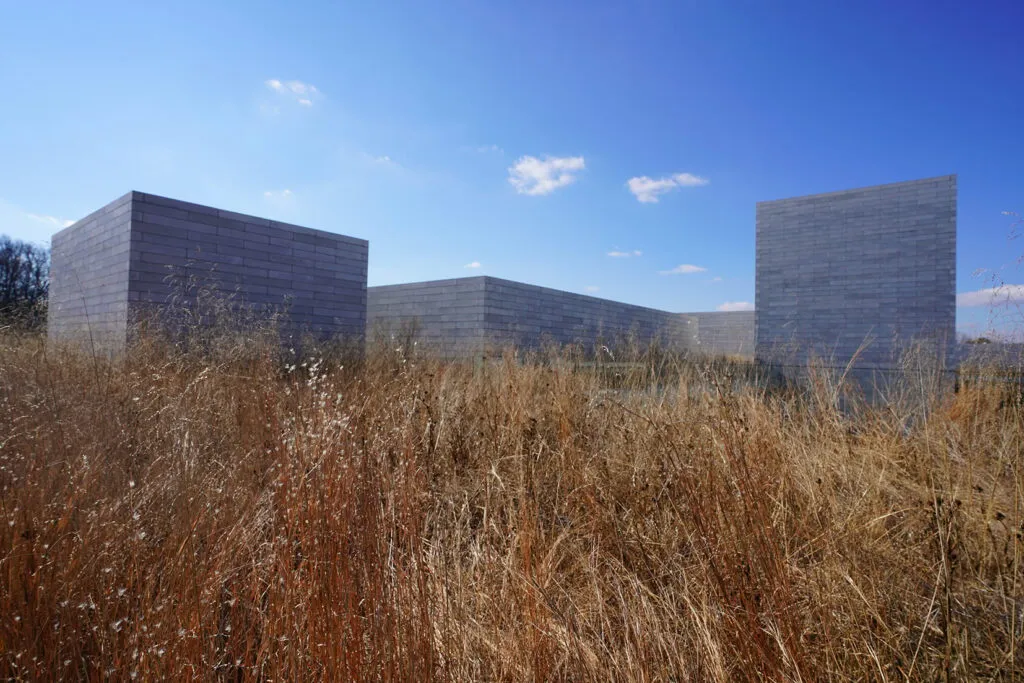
592	288
536	177
28	226
730	306
1001	295
303	93
615	253
683	269
474	265
279	194
647	189
50	220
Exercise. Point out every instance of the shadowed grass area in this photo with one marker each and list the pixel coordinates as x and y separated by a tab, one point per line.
242	515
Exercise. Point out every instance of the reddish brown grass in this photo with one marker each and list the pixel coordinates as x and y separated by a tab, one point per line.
170	517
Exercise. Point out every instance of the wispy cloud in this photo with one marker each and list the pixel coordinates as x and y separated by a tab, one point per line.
533	176
50	220
683	269
647	189
279	194
381	160
474	265
736	306
1002	295
22	224
615	253
303	94
717	278
482	149
592	288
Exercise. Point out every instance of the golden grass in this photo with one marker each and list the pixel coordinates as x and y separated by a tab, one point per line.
182	516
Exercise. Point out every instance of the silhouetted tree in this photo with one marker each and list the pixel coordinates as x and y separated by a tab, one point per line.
24	283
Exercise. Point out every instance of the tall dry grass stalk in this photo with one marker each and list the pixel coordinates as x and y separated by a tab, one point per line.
177	515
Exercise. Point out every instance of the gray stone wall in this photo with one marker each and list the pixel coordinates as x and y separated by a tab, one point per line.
88	302
873	266
725	333
144	252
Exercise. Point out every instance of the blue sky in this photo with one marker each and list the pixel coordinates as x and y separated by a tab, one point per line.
507	134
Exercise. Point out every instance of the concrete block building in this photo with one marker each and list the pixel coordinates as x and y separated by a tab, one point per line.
852	274
467	315
135	255
873	267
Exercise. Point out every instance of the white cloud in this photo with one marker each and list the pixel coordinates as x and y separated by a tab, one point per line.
279	194
992	296
50	220
474	265
302	93
21	224
684	269
647	189
615	253
592	288
736	306
533	176
381	160
717	278
482	149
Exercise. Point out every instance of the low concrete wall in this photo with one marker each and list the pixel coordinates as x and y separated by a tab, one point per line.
526	315
465	315
725	333
445	317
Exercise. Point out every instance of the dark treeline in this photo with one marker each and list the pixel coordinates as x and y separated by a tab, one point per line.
24	283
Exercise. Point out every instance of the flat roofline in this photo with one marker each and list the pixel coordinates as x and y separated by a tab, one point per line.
248	218
838	193
499	280
171	202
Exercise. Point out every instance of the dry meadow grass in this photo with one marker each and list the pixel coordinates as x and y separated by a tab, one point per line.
181	515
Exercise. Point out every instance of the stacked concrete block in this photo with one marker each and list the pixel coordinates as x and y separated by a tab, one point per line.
844	275
859	274
725	333
144	254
